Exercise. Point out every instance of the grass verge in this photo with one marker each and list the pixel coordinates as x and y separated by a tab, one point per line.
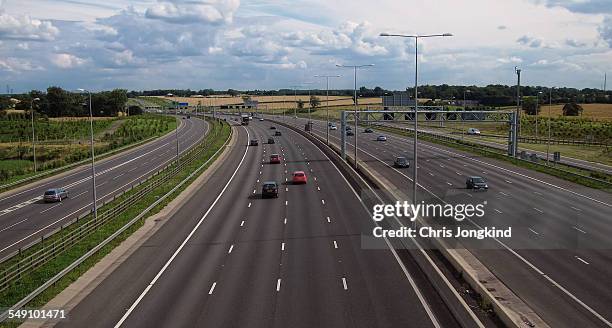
32	280
132	132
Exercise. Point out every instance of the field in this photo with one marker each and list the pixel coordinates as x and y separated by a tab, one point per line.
602	112
266	102
66	140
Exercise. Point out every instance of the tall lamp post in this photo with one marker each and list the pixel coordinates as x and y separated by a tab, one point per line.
327	101
537	113
464	106
416	38
33	134
295	99
549	117
355	67
93	157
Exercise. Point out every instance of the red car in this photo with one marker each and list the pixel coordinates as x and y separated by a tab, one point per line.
274	159
299	177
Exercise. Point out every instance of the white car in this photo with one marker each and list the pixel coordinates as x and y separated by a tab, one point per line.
381	138
261	120
473	131
333	127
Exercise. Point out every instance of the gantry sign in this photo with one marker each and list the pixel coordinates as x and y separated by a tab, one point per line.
429	114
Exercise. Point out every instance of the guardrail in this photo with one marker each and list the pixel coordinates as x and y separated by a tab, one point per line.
27	263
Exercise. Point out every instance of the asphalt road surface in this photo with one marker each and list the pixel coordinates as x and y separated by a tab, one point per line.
24	217
559	259
229	258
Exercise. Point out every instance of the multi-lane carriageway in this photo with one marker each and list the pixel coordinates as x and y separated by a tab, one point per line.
228	258
559	259
24	217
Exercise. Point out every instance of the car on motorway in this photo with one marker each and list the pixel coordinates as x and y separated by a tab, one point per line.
368	130
269	189
261	119
254	142
270	140
473	131
349	133
274	159
333	127
55	195
348	128
299	177
381	138
277	134
476	183
272	127
401	162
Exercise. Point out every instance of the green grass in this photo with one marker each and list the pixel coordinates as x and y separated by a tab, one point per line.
55	153
156	101
46	271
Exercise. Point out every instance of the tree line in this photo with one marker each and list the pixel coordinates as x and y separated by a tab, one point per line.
490	95
56	102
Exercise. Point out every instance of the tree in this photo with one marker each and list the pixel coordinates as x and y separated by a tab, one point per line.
530	105
232	92
572	109
314	102
300	104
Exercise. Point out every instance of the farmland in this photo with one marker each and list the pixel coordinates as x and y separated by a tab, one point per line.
266	102
63	141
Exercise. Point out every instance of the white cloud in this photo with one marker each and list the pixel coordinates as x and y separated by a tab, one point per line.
194	11
26	28
508	60
65	60
17	65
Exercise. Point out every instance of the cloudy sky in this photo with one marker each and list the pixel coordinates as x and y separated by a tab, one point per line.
271	44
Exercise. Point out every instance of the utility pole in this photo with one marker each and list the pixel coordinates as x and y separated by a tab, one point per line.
518	109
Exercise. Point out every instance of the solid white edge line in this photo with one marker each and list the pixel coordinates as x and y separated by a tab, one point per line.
178	250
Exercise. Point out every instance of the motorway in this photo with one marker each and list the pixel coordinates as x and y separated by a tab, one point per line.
559	258
24	217
228	258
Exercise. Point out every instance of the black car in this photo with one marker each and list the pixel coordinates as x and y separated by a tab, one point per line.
368	130
277	133
269	189
401	162
254	142
350	133
272	127
270	140
476	183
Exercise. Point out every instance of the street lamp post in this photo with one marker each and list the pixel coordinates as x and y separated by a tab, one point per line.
537	113
355	67
33	134
327	102
549	117
416	99
464	106
93	157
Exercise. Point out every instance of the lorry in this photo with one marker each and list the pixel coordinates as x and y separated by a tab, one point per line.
245	119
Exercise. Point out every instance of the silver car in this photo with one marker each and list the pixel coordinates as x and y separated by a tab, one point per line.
55	195
381	138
